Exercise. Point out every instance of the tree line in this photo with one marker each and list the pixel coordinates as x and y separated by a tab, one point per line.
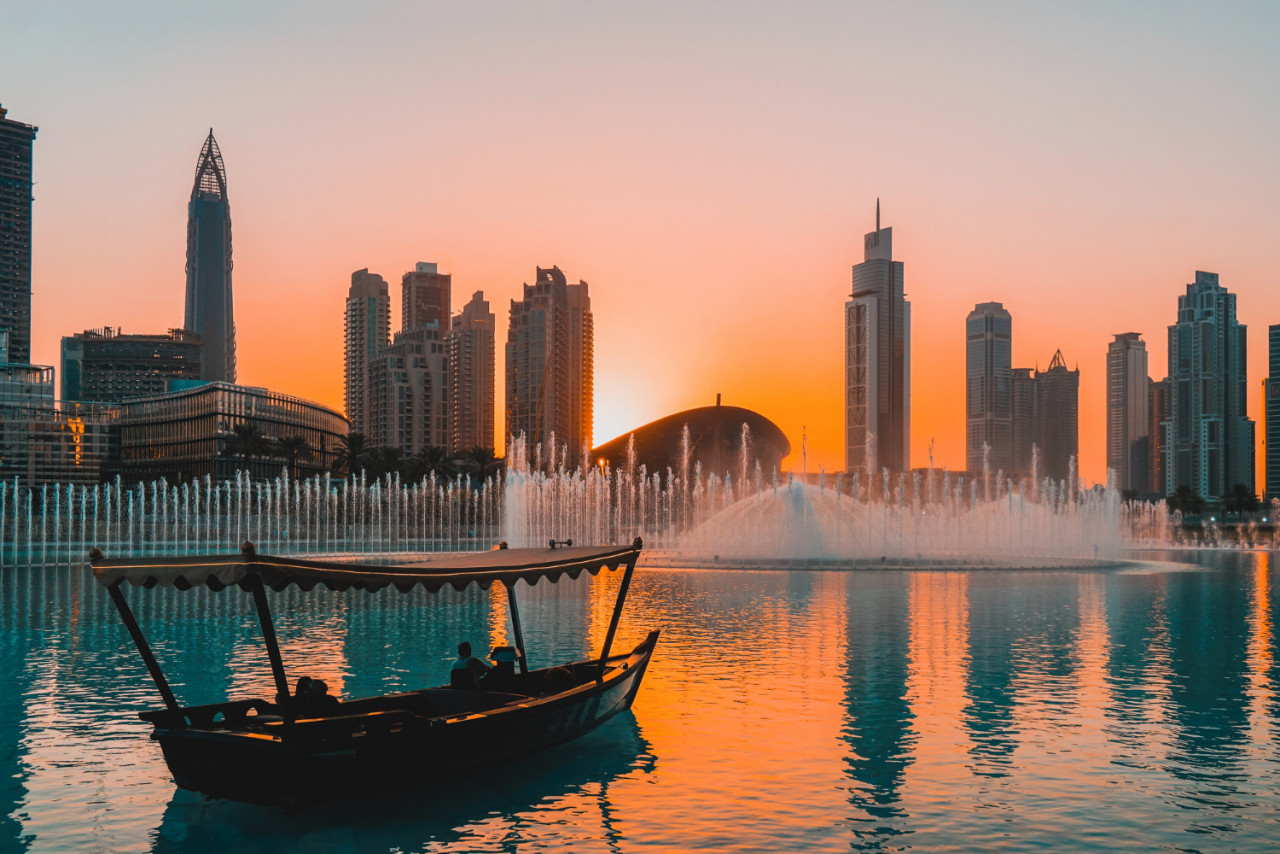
354	456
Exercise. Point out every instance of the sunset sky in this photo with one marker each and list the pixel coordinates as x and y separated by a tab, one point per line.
708	168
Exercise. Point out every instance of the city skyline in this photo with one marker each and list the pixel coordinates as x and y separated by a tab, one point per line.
1144	156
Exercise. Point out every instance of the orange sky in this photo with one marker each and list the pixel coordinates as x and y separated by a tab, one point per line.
710	171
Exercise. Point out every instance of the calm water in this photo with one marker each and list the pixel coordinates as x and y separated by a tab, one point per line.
1127	709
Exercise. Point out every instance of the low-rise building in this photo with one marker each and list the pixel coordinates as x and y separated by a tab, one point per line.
190	433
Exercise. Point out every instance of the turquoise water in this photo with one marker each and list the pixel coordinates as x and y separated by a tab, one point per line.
1128	709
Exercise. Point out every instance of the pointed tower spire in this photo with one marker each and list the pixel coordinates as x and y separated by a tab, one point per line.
209	309
877	203
211	174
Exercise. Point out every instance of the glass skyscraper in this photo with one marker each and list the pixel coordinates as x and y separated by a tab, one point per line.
209	304
1210	436
1127	412
16	143
1271	415
878	359
989	389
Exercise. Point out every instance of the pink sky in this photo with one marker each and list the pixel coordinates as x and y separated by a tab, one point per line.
709	170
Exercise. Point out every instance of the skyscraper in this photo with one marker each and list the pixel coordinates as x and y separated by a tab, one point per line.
1059	416
408	392
1128	421
1271	416
425	297
1157	432
368	333
1026	423
989	388
209	304
550	371
471	376
1210	435
16	144
878	358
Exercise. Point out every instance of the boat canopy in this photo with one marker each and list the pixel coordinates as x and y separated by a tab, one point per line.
404	572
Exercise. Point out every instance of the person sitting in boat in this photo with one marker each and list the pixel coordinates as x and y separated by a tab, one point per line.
467	670
312	698
502	674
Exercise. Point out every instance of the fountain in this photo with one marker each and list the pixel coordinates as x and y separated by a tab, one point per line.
687	516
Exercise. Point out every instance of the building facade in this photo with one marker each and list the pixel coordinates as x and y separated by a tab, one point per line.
41	444
107	366
1059	404
425	297
17	142
1026	424
878	359
209	300
1157	431
188	434
549	363
1271	416
989	389
408	392
471	344
367	336
1128	416
1210	436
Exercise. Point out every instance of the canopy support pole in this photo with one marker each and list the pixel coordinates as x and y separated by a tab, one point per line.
135	632
269	636
617	614
515	623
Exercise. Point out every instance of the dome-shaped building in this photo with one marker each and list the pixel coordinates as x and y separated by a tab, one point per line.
715	440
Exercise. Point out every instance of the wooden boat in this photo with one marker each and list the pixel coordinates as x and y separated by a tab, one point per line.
282	752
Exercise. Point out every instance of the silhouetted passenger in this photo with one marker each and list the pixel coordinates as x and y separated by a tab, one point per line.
467	670
502	676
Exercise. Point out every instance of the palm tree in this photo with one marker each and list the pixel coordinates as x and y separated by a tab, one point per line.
353	455
248	442
385	459
481	464
1185	501
433	459
294	448
1240	500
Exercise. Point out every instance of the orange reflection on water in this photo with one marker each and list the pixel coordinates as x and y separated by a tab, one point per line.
1260	653
1092	650
736	693
938	665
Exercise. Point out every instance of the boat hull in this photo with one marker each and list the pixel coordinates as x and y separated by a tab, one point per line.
286	763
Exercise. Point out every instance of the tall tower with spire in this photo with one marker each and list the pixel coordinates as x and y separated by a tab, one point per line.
878	360
209	304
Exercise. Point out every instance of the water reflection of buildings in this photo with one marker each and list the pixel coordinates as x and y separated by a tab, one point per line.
878	730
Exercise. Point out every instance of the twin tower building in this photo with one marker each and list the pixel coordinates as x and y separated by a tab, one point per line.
432	383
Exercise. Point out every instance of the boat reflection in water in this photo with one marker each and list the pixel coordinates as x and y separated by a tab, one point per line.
558	797
1132	708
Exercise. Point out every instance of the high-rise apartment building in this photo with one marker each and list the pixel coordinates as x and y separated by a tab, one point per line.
408	392
1157	431
368	333
550	369
1271	416
16	144
1210	435
1026	424
209	304
877	326
425	297
471	345
989	388
108	366
1128	421
1059	404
